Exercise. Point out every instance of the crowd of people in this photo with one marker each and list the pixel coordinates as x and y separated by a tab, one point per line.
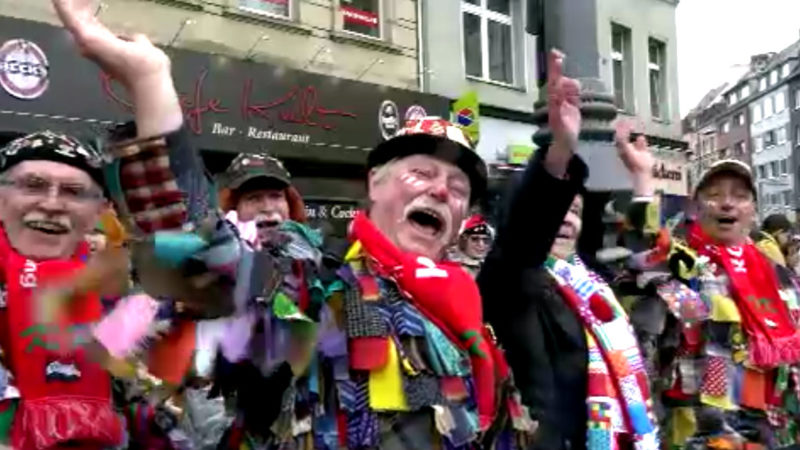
146	305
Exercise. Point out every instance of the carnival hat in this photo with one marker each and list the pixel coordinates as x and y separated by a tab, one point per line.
440	138
476	224
726	167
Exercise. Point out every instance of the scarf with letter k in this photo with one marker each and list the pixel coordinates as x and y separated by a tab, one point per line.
772	337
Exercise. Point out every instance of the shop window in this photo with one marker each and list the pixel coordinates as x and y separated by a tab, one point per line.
488	48
279	8
657	69
622	66
361	17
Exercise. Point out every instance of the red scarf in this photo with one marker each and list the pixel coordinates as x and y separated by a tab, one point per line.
772	336
448	297
65	397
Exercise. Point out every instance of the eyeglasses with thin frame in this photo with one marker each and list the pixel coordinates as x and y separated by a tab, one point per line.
476	238
35	186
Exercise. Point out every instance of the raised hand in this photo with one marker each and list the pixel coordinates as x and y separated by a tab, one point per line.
140	66
637	158
564	115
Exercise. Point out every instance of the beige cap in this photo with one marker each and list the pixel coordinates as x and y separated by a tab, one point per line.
729	166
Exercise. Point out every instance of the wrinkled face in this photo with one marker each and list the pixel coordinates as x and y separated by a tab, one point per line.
418	202
269	206
477	245
726	209
567	236
47	208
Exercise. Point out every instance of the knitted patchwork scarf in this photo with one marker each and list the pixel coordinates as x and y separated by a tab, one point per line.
772	338
618	391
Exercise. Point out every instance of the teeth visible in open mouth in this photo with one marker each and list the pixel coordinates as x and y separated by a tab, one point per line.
47	227
427	218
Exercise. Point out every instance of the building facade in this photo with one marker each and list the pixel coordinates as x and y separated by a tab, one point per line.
316	83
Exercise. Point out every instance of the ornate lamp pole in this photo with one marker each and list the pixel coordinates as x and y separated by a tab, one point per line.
571	26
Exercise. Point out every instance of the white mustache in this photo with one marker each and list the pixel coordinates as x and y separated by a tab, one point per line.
36	216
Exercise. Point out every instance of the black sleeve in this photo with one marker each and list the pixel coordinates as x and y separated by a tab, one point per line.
531	220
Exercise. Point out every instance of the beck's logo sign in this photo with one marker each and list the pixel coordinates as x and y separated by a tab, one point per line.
24	70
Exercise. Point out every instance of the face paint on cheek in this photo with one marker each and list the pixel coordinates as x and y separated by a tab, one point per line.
412	180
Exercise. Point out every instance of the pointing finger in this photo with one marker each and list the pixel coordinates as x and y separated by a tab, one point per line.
555	67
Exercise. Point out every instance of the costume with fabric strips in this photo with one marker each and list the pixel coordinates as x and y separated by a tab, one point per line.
724	345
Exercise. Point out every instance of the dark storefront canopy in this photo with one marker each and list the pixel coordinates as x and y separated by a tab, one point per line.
322	126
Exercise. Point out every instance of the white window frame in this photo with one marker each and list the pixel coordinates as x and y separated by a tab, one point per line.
780	95
381	21
663	113
627	67
773	77
739	119
762	83
744	92
760	116
768	100
485	15
785	70
780	136
726	126
289	8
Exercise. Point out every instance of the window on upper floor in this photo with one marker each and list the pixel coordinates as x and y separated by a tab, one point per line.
780	102
732	98
758	144
726	126
797	99
744	92
739	119
762	171
786	69
784	166
768	107
278	8
781	135
797	135
757	113
657	70
738	150
762	84
787	198
361	17
769	139
774	168
487	40
773	77
622	66
774	198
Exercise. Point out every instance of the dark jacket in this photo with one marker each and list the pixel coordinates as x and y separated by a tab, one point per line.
544	340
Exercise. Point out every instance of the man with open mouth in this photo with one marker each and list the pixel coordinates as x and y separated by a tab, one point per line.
474	242
257	195
51	195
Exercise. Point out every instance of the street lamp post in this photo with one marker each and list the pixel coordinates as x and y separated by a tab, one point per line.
571	26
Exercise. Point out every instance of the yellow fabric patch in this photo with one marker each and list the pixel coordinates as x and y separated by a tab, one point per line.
386	384
724	309
354	252
721	402
652	221
682	426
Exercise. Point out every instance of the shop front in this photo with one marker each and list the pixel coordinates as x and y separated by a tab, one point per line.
321	126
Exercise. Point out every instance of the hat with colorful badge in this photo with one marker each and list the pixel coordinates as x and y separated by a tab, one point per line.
437	137
476	225
50	146
251	167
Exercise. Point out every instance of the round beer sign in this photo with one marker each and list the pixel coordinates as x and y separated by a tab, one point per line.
24	70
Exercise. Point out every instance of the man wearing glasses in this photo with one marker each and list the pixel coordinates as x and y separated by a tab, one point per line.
474	243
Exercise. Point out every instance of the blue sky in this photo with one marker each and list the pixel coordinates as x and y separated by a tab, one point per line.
717	37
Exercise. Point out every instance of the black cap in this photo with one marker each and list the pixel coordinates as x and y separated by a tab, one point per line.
251	167
50	146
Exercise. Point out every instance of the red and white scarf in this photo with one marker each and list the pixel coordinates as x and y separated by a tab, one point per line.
772	337
65	396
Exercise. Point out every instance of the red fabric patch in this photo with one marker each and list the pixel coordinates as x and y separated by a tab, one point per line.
453	388
368	353
715	378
